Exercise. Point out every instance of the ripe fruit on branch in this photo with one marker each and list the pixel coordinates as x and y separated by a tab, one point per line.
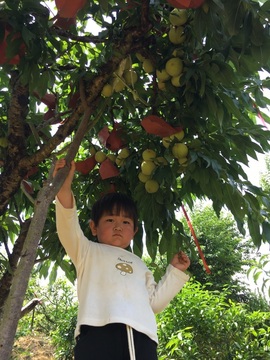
92	150
174	66
177	35
140	57
112	157
178	17
124	153
183	161
148	66
161	85
166	141
119	161
160	160
148	154
143	178
151	186
107	90
178	136
100	156
147	167
130	76
176	80
162	75
180	150
118	85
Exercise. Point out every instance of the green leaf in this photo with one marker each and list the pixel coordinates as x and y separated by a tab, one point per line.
254	230
266	231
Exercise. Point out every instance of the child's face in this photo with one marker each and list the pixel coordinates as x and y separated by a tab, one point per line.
116	230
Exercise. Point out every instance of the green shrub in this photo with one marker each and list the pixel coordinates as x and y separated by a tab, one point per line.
201	324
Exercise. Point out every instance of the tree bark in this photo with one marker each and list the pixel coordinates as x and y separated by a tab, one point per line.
89	98
6	280
12	308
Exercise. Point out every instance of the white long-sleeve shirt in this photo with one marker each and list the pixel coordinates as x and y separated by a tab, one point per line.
113	284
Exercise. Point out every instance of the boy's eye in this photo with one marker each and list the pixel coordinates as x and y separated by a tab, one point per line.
127	222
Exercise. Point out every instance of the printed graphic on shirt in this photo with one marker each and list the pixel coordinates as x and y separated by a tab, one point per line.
124	267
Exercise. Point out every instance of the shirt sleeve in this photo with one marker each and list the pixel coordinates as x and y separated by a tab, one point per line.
164	291
69	231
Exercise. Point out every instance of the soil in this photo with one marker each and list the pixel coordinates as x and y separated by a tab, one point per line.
35	347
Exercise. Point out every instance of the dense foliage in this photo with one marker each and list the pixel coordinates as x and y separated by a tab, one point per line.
101	65
199	324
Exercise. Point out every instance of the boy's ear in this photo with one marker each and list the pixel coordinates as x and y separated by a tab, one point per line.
93	227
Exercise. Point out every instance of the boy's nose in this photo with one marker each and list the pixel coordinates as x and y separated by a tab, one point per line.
117	227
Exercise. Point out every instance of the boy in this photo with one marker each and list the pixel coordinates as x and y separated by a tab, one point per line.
117	294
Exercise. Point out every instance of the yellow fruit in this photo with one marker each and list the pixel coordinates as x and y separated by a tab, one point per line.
183	161
148	154
176	80
119	161
151	186
166	141
124	153
178	136
92	150
143	178
180	150
112	157
118	85
107	90
178	17
147	167
162	75
130	76
174	66
161	85
100	156
128	63
160	160
3	142
176	35
140	57
148	66
178	52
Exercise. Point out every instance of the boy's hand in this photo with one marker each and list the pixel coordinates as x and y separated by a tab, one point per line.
65	194
181	261
62	163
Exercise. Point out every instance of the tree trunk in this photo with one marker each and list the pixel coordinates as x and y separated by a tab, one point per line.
13	305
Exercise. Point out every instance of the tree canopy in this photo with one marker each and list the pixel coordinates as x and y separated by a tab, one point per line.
167	101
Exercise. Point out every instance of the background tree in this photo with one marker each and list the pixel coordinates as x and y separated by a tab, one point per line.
200	122
202	324
228	252
260	270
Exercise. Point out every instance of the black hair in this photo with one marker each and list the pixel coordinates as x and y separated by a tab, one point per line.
113	204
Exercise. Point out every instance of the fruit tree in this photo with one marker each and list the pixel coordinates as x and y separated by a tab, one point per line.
161	99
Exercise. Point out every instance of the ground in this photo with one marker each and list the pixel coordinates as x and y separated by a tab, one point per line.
32	347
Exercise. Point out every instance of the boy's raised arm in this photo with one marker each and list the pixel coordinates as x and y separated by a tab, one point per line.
65	193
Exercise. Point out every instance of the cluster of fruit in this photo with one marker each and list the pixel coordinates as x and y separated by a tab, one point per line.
178	148
119	159
150	160
149	163
174	67
126	76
